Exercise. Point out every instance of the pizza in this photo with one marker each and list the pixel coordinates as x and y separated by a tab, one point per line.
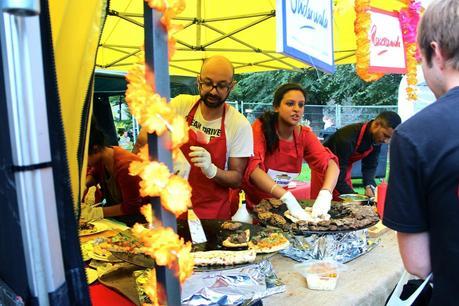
237	239
226	258
124	243
268	242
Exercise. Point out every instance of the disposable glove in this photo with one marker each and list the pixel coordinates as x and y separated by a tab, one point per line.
202	159
181	166
322	204
90	213
294	207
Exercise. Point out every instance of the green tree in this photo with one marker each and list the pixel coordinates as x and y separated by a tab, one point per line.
342	87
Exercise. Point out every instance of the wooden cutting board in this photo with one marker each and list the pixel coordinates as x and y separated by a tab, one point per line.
377	230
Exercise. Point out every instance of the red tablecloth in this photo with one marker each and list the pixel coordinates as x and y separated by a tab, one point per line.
302	191
103	296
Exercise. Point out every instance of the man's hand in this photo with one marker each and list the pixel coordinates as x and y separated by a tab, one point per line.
322	204
181	166
90	213
294	207
370	191
202	159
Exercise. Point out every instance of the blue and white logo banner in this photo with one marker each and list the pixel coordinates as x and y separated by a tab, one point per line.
305	31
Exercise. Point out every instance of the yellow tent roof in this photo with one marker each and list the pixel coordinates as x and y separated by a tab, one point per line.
242	30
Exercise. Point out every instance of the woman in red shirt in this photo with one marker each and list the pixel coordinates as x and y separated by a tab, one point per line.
280	146
109	167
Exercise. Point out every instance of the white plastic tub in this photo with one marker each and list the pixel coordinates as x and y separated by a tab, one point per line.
320	274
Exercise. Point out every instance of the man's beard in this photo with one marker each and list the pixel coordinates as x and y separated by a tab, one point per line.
217	100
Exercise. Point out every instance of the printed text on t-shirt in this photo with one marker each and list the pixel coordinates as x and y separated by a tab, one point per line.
207	130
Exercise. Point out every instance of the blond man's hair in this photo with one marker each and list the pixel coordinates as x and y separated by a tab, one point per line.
440	24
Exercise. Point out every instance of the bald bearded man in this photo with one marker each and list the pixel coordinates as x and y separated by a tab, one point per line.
220	139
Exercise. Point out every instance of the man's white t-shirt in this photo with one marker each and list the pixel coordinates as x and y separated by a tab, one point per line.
239	138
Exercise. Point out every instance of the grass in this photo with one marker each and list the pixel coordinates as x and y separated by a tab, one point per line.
305	176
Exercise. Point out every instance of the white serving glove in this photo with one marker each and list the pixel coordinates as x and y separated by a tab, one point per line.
322	204
202	159
90	213
181	165
294	207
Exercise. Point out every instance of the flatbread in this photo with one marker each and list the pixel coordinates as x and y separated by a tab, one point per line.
312	219
226	258
229	244
273	243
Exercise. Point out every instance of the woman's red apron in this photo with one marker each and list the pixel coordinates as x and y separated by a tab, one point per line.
317	179
287	158
209	199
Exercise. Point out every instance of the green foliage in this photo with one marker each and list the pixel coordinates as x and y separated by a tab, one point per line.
343	87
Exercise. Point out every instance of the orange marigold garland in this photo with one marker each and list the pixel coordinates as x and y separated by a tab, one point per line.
361	28
409	19
167	249
154	113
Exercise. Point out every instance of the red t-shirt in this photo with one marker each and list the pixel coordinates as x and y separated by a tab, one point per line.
127	185
305	143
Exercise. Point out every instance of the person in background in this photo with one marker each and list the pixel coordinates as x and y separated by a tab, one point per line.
280	146
359	141
220	140
123	140
422	201
329	127
109	167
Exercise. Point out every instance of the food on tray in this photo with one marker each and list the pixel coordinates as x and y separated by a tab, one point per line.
86	226
225	258
229	225
309	214
275	202
123	243
347	216
89	228
237	239
268	242
353	197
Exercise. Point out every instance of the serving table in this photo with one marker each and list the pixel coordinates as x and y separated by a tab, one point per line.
368	280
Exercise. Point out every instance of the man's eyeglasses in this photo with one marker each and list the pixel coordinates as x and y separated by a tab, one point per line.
208	86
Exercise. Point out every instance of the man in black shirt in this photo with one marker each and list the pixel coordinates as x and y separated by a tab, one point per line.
422	202
359	141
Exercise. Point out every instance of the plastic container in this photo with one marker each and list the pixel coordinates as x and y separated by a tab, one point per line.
321	274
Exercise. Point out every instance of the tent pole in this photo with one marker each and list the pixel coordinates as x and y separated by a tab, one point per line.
157	70
28	128
198	25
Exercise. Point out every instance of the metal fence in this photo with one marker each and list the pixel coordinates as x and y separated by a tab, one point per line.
315	116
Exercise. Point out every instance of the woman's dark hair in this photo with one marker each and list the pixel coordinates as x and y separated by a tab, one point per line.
96	139
269	118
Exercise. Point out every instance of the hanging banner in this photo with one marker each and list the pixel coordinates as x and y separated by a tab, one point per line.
304	31
387	51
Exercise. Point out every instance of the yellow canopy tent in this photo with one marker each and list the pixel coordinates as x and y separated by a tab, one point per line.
243	31
246	35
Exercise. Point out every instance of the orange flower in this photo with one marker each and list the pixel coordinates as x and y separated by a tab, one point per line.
361	27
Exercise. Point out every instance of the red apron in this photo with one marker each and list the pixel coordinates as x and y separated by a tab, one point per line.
209	199
317	179
287	158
